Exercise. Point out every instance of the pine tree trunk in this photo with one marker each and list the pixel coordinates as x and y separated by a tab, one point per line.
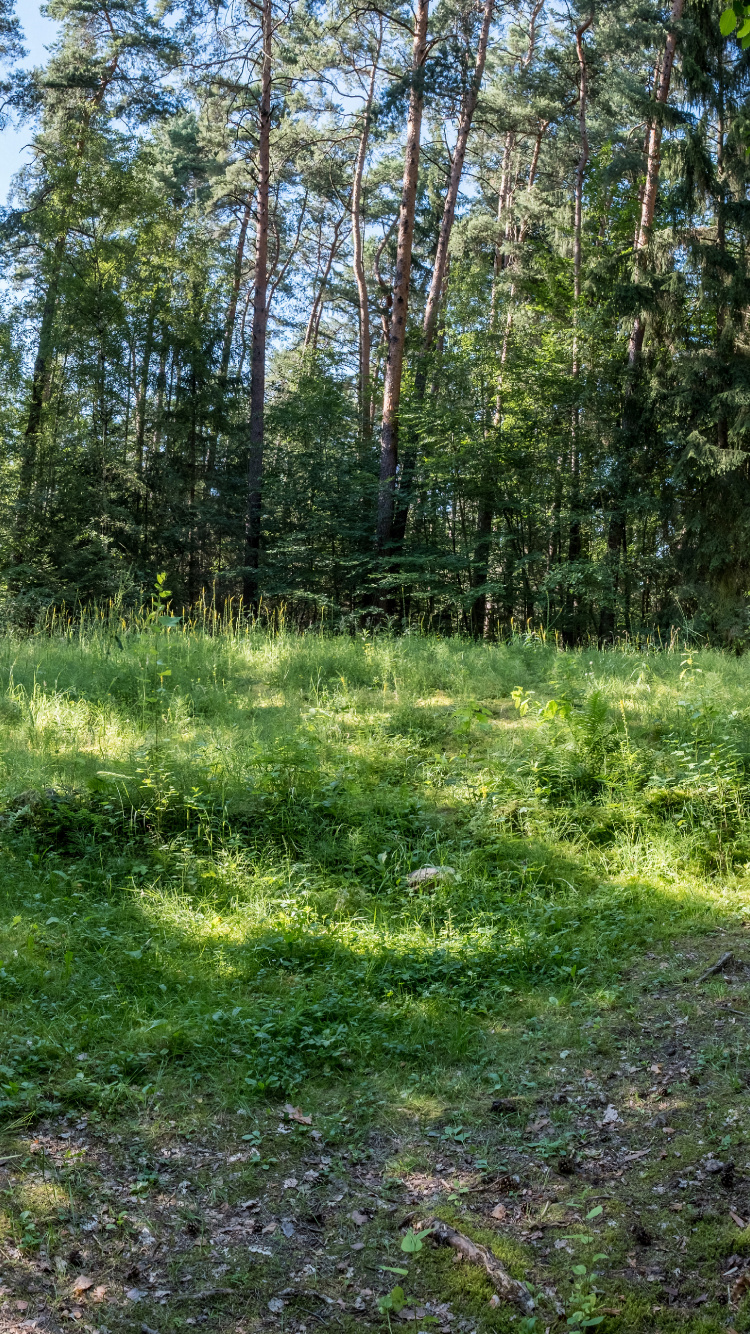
313	323
251	589
439	269
616	535
231	314
39	380
399	310
480	619
449	207
358	260
574	532
142	387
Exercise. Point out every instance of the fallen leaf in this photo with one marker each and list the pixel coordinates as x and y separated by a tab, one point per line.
534	1127
82	1284
500	1212
295	1114
736	1219
668	1130
22	1306
494	1300
655	1069
270	1228
677	1207
276	1305
611	1116
98	1294
76	1313
740	1287
358	1218
631	1157
134	1294
290	1183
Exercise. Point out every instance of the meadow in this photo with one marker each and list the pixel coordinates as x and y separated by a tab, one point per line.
211	951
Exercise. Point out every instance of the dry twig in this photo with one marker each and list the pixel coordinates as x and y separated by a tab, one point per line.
716	967
510	1288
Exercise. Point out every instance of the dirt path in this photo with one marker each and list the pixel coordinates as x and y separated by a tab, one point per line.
623	1136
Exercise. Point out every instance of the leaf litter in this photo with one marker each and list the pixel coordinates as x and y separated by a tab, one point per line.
186	1240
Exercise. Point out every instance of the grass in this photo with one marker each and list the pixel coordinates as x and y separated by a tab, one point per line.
205	915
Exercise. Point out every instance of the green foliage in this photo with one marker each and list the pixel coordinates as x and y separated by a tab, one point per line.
532	509
412	1242
584	1302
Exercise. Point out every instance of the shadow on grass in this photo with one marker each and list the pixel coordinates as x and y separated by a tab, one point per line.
110	991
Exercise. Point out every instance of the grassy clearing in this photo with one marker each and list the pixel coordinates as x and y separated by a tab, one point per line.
205	915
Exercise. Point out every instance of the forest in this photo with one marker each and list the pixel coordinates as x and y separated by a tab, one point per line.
374	709
380	315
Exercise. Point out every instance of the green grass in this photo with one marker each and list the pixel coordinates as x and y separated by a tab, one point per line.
205	843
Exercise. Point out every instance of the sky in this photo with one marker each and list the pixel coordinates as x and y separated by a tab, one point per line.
38	33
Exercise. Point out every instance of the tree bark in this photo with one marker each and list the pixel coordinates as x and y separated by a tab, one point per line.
142	386
231	313
480	617
251	588
449	207
574	532
313	323
617	530
399	310
653	164
439	269
358	261
40	376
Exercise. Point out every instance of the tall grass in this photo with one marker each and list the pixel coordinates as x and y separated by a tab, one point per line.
207	832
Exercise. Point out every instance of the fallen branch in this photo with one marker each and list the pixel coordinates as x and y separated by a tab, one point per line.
716	967
510	1288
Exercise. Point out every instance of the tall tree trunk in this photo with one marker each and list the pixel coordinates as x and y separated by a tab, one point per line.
142	386
40	374
653	164
399	310
574	532
260	324
313	323
439	268
358	260
726	346
231	311
480	614
39	381
449	207
617	528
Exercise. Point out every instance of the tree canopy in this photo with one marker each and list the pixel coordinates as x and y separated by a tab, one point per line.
435	314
